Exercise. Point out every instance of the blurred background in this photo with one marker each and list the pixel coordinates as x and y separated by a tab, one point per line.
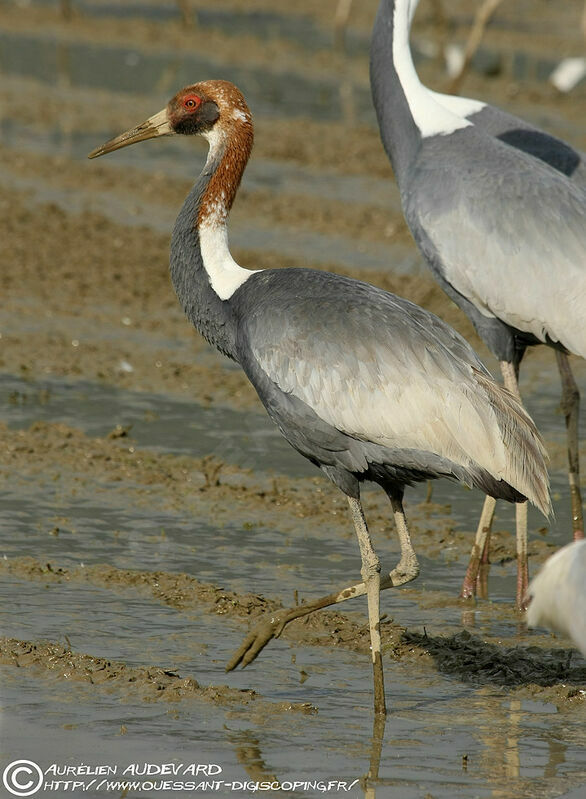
319	190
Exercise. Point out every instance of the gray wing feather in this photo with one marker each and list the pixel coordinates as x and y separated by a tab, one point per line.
521	257
521	135
379	369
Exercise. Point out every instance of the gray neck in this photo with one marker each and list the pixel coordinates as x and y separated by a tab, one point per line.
400	135
211	315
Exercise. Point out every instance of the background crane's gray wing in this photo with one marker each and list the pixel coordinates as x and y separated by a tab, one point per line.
521	258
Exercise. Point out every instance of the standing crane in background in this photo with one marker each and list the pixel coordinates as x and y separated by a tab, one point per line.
366	385
571	162
503	232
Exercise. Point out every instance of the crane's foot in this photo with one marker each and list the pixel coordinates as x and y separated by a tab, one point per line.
406	570
259	637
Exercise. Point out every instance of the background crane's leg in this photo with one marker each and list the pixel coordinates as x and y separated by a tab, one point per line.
511	377
571	409
522	566
479	549
483	16
371	576
482	579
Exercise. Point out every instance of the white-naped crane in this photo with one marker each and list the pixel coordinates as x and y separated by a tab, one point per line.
571	162
361	382
503	232
557	595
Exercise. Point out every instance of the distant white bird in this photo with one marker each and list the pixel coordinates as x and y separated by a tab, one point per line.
558	594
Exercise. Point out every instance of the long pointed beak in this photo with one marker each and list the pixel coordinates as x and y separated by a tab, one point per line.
157	125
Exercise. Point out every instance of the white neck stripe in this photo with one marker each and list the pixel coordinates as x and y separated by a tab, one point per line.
224	273
431	118
461	106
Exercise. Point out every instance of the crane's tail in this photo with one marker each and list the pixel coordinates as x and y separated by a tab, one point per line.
526	456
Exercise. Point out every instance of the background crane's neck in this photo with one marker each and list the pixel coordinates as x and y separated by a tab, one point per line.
406	111
203	272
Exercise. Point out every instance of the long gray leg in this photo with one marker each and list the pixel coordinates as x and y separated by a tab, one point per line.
371	585
271	627
571	409
408	567
522	565
371	577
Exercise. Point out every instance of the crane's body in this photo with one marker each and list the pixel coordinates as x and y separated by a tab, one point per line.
519	134
503	231
364	384
511	129
571	162
369	386
499	230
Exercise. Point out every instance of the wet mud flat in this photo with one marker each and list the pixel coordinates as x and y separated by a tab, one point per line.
150	515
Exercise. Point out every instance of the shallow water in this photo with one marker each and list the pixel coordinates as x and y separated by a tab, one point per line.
305	33
435	720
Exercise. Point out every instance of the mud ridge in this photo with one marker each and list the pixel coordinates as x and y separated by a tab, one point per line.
182	592
152	683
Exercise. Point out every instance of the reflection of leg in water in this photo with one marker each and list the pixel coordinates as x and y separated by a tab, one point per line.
378	734
248	752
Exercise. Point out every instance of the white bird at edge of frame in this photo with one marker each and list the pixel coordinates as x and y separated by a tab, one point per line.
557	594
366	385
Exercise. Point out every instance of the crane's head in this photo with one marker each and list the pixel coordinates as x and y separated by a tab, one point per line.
213	105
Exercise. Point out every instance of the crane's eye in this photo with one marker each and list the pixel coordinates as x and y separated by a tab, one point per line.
192	102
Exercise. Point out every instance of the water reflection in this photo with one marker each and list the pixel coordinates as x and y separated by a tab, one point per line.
515	754
512	757
248	750
248	747
507	751
371	779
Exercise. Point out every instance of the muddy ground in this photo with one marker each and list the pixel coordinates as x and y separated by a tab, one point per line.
88	307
